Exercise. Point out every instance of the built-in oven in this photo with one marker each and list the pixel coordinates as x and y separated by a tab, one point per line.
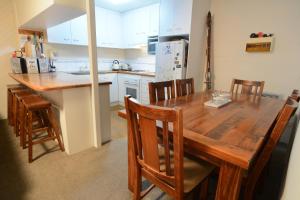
132	87
152	44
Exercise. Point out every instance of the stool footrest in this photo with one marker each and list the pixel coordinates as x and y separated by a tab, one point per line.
44	140
37	130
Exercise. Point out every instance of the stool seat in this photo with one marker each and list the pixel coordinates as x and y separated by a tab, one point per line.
35	102
9	86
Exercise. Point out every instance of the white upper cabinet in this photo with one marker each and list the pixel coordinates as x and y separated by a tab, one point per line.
114	30
70	32
109	28
175	17
60	33
136	27
140	23
154	20
100	25
79	30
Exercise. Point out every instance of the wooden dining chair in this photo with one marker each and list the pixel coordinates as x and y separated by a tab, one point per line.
264	156
296	95
254	88
185	87
159	91
163	165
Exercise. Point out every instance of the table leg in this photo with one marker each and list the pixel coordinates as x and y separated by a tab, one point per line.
229	184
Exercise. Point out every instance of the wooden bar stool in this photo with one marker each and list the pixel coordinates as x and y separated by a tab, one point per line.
34	104
20	114
10	89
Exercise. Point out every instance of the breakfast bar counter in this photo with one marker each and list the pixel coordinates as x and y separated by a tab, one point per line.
53	81
71	95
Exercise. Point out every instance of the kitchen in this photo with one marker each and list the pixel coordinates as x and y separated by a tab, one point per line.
131	44
126	39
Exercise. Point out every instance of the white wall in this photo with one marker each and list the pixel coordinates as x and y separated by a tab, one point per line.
197	46
29	8
37	14
291	191
234	20
139	59
8	43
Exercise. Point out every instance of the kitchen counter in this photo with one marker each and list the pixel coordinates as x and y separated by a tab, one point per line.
53	81
139	73
71	96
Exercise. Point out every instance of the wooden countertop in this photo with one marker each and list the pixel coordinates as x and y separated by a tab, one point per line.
53	81
139	73
151	74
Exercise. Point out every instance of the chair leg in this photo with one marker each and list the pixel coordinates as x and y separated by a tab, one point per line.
9	110
204	189
137	185
55	127
14	111
29	132
22	122
16	127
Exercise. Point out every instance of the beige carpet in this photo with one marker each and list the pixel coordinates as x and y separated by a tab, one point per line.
92	174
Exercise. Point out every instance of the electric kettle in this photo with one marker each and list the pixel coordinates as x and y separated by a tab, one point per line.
115	65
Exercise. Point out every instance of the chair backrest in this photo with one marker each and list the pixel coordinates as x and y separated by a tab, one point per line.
185	87
254	88
263	157
159	91
156	162
296	95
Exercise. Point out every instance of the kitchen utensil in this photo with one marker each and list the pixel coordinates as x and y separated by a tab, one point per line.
126	67
116	65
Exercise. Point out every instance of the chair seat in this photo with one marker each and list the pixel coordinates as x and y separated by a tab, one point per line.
194	172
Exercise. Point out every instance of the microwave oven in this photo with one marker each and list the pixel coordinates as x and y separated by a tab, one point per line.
152	44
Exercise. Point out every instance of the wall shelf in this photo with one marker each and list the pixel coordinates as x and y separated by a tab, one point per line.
264	44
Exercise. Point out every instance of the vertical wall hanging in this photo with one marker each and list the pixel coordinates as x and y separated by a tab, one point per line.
208	80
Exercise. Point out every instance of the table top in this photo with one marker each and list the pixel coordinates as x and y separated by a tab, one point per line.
234	132
54	81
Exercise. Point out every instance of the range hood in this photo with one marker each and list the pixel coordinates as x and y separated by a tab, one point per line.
38	15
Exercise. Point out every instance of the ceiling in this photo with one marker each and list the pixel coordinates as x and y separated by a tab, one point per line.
124	5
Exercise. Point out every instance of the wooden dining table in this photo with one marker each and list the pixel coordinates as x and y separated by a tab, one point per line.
229	137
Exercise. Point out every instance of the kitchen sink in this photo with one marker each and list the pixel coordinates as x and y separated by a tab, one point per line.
80	73
83	73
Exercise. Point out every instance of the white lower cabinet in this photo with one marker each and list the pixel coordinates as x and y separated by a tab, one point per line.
144	89
122	90
129	85
114	87
123	84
